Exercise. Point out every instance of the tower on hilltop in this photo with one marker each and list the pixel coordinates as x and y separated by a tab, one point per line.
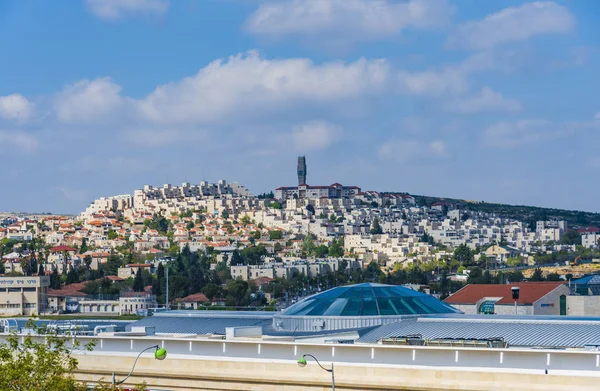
301	170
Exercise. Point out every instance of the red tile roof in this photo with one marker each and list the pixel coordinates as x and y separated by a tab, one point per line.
530	292
195	298
261	281
588	230
68	290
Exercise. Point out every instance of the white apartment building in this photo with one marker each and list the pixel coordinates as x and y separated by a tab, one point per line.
590	240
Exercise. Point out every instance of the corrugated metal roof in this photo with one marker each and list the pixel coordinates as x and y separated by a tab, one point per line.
517	332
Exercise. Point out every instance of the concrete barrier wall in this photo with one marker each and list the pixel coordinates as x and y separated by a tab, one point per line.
196	364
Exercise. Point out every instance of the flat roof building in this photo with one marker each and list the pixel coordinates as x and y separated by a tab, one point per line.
23	295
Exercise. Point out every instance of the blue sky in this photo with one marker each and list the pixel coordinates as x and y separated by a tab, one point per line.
484	100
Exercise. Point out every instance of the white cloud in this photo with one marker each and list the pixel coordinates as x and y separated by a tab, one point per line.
516	134
247	85
315	135
21	141
412	151
117	9
513	24
434	83
88	101
598	115
486	100
15	107
343	21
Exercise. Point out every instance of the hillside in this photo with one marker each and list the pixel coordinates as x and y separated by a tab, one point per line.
529	214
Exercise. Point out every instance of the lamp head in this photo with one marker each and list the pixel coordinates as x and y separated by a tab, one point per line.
160	354
515	292
302	362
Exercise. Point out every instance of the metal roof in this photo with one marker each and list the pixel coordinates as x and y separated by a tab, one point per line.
588	280
519	331
168	323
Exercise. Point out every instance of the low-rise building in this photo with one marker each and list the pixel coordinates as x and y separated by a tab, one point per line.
192	302
102	307
535	298
23	295
134	302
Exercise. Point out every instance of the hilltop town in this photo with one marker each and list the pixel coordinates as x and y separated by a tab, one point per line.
290	242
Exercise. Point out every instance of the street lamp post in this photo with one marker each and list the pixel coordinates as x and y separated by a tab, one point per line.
159	354
515	295
302	364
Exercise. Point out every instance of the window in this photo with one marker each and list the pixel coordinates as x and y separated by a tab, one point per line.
487	308
29	305
28	289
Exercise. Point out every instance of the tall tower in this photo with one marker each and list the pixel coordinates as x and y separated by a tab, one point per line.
301	170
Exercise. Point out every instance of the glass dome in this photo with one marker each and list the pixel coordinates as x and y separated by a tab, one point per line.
369	300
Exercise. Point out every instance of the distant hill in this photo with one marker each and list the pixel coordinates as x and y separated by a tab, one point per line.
528	214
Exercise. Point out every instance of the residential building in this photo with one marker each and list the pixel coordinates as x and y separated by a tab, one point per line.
130	270
193	301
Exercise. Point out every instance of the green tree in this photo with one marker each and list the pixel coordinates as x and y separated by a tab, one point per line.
138	282
336	249
55	281
275	235
476	276
571	237
463	255
225	214
514	261
236	290
211	290
426	238
189	225
308	244
277	247
44	364
159	223
112	265
245	220
72	276
376	227
275	205
84	246
537	275
553	277
112	234
321	251
88	261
